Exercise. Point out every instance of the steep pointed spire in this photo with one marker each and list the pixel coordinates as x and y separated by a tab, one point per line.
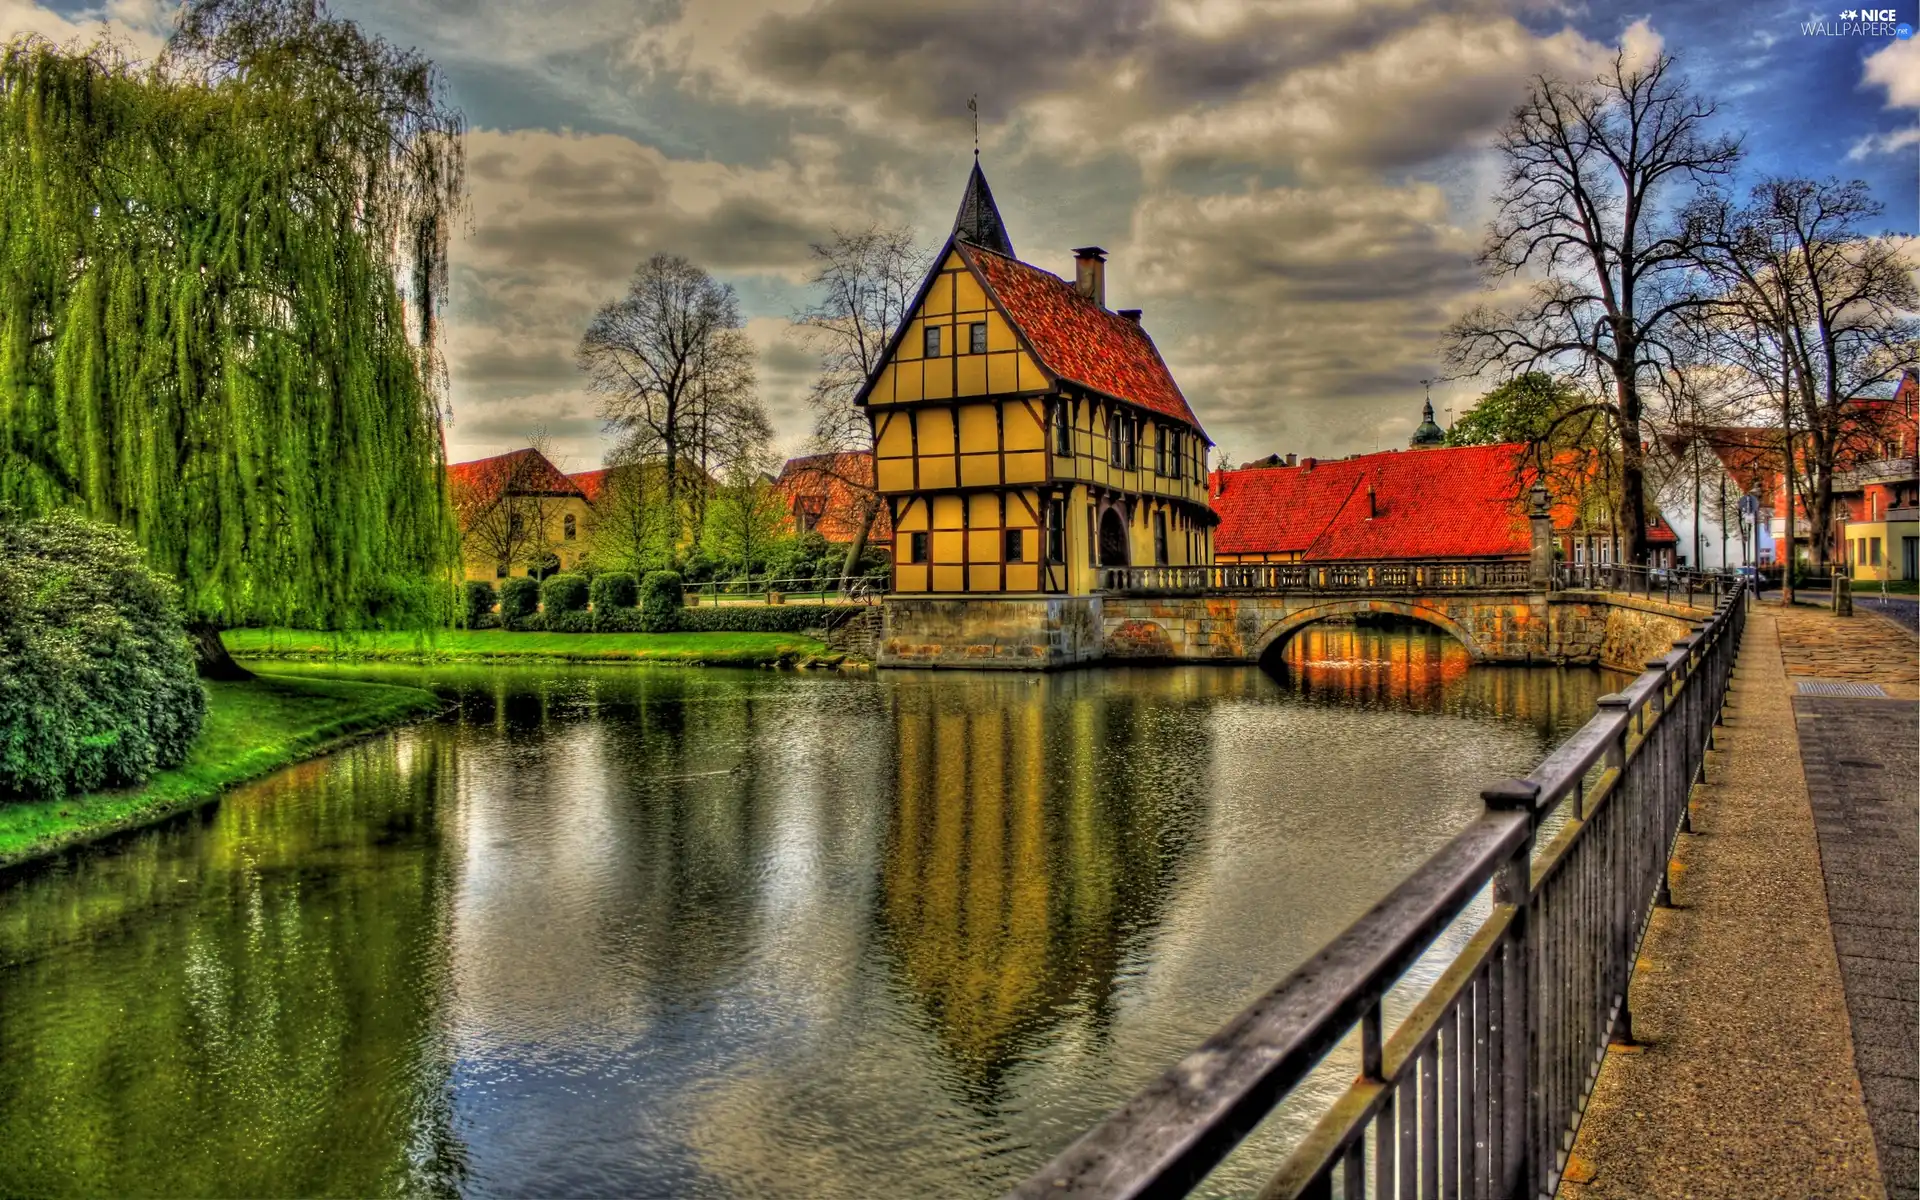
979	221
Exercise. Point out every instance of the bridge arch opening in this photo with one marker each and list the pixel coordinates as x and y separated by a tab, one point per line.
1271	647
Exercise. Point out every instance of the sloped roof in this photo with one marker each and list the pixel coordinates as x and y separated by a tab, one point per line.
1078	340
978	221
1447	502
524	472
591	483
840	482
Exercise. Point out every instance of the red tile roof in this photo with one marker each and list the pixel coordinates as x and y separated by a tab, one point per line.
840	483
1457	502
591	483
1078	340
521	472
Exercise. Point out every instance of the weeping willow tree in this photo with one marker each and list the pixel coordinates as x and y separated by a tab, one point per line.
219	279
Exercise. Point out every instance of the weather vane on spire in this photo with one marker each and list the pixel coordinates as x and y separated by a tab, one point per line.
973	106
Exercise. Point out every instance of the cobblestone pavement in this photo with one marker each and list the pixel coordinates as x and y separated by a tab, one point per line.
1745	1085
1861	766
1863	648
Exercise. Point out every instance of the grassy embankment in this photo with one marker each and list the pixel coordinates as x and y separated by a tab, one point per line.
461	645
251	729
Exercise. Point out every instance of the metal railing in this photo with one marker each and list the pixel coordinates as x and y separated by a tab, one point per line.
1679	584
1498	575
1478	1090
763	589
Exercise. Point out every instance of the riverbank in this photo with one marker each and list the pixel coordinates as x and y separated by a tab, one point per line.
487	645
251	729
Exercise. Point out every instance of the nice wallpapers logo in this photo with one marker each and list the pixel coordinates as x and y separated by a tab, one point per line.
1861	22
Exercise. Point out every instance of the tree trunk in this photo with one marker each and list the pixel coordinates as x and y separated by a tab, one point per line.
1633	471
869	511
210	655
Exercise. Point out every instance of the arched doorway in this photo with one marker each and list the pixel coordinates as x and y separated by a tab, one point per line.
1113	539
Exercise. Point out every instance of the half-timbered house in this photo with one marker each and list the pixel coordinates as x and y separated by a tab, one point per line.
1024	433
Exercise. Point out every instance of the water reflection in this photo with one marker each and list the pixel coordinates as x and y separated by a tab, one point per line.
668	932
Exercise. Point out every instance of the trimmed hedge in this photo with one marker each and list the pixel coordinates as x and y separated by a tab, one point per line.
479	600
577	620
563	594
660	602
519	603
617	620
615	589
773	618
98	687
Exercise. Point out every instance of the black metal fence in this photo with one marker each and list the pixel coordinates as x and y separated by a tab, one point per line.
1678	584
1495	575
1477	1092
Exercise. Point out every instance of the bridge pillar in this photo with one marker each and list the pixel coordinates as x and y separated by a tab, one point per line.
1540	558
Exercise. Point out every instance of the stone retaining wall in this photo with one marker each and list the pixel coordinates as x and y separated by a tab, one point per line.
1044	633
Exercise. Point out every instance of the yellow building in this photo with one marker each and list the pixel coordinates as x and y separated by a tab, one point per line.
1025	434
518	515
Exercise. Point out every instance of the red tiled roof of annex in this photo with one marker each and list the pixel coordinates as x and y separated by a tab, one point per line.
1079	340
1444	503
835	481
1455	502
526	472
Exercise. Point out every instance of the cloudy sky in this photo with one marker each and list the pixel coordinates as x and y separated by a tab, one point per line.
1293	190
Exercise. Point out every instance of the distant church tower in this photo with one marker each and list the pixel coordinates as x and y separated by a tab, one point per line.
1429	434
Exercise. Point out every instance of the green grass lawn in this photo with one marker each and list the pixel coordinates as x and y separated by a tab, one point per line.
455	645
251	728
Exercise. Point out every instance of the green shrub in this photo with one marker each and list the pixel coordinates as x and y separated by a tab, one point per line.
519	603
563	594
660	602
479	601
97	682
577	620
617	620
755	618
615	589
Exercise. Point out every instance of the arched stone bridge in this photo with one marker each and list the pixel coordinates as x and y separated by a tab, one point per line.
1500	611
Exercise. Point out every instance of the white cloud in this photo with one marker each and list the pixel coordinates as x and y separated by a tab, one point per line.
1896	69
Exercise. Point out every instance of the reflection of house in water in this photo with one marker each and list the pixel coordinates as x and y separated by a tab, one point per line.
1414	667
1016	872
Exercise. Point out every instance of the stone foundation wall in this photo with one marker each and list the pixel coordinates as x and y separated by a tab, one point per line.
994	633
1051	632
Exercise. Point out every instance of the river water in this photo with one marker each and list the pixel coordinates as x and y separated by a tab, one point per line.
656	932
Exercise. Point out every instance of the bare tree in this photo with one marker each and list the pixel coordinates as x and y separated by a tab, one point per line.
1831	309
504	507
673	369
866	283
1585	204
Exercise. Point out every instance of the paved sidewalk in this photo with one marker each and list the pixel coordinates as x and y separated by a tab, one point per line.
1745	1085
1862	759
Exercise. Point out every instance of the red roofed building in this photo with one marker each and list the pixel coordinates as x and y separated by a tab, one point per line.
1464	503
828	494
518	514
1024	433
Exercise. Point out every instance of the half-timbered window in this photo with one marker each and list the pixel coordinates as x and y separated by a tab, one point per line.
933	341
1016	545
1160	538
916	547
1062	429
1056	530
569	530
1116	440
1160	450
977	338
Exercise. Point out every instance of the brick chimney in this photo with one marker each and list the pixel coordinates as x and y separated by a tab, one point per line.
1090	274
1292	459
1306	464
1373	503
